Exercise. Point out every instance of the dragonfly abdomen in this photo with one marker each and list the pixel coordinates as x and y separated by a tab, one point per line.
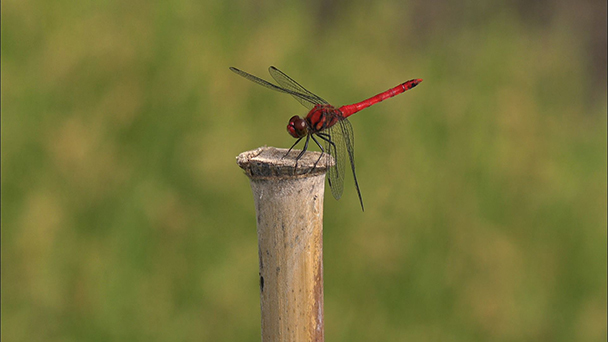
349	110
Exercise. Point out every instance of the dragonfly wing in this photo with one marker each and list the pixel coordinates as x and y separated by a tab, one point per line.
335	174
341	145
304	99
288	83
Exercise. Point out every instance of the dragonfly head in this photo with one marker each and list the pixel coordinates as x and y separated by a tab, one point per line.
297	127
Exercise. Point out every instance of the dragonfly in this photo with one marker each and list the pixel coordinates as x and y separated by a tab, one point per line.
325	123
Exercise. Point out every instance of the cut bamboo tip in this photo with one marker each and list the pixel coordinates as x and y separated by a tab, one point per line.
271	162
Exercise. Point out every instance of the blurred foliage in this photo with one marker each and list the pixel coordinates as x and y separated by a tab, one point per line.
125	217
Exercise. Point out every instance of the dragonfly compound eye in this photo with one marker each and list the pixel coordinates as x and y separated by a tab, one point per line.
297	127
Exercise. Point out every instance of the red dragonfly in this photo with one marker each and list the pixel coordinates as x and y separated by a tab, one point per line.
325	122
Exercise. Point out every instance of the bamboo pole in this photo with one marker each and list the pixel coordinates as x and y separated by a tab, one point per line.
289	210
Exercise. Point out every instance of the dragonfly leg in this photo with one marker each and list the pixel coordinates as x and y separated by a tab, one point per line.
322	153
291	148
303	151
327	138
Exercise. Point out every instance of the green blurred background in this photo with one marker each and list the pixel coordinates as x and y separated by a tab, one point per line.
126	218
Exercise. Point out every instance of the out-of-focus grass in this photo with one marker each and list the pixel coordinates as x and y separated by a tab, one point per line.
125	217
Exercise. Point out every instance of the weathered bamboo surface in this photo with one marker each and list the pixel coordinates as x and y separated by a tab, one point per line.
289	209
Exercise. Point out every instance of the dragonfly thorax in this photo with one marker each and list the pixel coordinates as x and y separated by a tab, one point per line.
320	118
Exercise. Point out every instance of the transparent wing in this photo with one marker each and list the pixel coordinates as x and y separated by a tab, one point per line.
288	83
306	99
334	145
340	143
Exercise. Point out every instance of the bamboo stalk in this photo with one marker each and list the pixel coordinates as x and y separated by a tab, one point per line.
289	210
